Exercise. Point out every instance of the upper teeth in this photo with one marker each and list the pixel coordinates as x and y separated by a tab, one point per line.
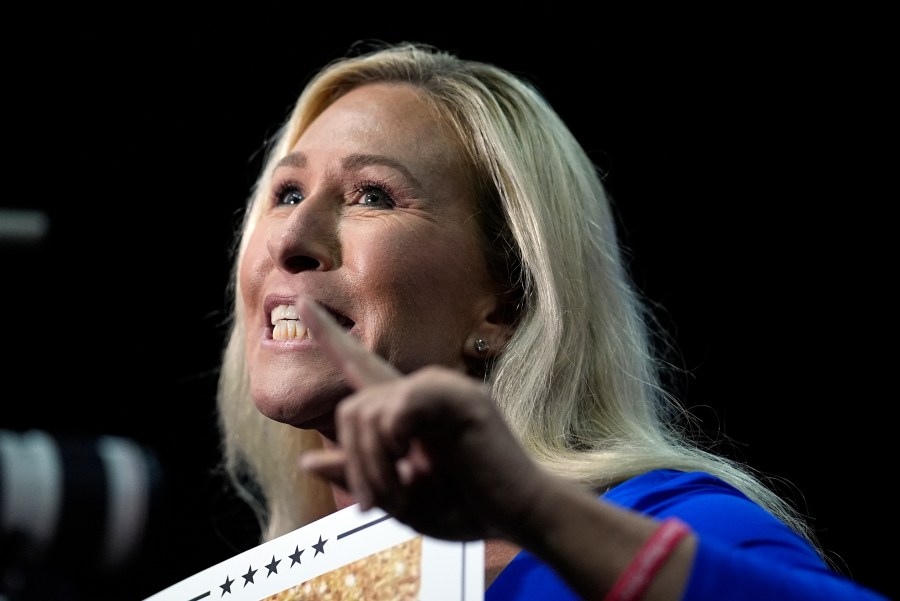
286	324
284	312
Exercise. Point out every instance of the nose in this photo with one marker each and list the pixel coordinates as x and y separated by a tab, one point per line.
307	240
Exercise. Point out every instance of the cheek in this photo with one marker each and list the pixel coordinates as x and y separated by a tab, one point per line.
252	268
437	266
450	262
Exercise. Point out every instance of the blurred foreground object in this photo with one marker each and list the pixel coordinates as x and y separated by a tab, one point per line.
23	227
72	508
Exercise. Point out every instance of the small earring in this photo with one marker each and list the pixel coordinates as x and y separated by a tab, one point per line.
481	345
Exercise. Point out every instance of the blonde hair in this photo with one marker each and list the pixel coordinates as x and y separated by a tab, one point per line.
580	380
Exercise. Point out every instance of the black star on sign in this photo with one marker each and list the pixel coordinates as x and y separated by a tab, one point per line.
295	556
320	546
248	577
273	567
226	588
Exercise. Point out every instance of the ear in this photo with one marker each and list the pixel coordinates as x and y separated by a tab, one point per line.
491	333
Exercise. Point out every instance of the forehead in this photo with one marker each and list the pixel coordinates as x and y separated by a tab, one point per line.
388	117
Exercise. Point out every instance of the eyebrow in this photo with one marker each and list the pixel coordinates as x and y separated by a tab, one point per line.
294	159
351	162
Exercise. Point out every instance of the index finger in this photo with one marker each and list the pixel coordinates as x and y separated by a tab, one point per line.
360	366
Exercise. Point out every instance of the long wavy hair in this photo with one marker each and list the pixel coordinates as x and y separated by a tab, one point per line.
580	382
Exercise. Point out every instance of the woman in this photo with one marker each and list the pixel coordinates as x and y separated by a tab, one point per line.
432	311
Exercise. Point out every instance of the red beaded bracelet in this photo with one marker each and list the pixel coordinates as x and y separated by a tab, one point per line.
637	576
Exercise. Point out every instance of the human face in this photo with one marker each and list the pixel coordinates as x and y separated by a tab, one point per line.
370	214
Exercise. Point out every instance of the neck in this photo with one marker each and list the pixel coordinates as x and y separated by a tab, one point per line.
497	555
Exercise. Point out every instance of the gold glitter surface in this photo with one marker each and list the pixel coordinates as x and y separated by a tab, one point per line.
389	575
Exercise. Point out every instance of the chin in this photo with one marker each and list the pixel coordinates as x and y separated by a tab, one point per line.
301	409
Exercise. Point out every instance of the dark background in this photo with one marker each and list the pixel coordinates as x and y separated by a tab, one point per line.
742	151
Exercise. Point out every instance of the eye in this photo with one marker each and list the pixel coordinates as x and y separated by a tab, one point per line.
375	196
288	195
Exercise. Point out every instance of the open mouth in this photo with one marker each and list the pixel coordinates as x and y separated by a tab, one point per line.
286	324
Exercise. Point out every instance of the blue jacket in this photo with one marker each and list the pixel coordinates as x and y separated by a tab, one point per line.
744	553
